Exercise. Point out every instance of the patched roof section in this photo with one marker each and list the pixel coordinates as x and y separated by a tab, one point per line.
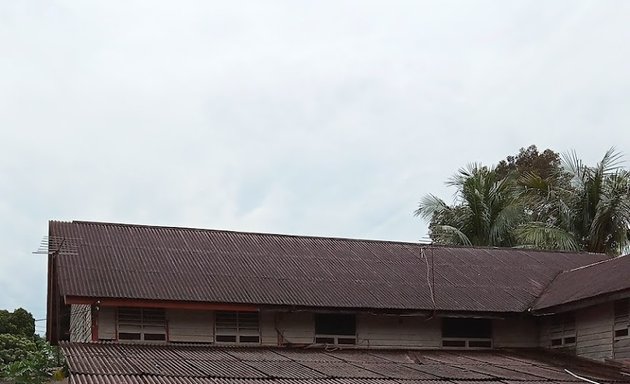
109	363
163	263
602	278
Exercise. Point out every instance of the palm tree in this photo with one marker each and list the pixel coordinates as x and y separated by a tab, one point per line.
580	208
485	212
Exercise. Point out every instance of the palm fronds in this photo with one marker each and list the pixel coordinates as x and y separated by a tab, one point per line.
574	207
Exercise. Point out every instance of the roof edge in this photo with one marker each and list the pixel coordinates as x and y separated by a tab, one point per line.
136	225
582	303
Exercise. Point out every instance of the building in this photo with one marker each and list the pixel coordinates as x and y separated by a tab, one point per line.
134	303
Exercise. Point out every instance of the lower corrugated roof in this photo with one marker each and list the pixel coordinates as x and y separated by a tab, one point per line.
116	363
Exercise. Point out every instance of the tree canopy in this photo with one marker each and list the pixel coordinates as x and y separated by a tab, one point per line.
24	356
536	200
19	322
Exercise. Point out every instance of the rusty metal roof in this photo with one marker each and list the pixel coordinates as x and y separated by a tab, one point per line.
165	263
90	363
601	278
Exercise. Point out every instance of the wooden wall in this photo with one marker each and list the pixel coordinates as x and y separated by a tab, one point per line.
107	323
594	332
298	328
621	348
398	331
287	328
190	326
518	332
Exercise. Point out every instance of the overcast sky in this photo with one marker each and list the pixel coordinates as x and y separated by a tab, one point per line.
306	117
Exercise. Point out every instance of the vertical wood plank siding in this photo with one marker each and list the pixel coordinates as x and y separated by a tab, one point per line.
595	332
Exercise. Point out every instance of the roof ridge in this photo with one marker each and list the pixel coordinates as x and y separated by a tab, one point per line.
592	264
539	250
250	232
336	238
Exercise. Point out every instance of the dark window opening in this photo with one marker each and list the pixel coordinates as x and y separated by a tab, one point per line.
569	340
466	333
249	339
226	339
155	336
621	332
479	344
335	324
466	328
129	336
333	328
556	342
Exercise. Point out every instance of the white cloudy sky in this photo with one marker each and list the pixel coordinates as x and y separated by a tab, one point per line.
306	117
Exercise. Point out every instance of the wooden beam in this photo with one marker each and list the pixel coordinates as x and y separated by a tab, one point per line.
94	315
167	304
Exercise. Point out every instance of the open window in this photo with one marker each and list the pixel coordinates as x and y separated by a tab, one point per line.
237	327
332	328
622	319
466	333
563	332
142	324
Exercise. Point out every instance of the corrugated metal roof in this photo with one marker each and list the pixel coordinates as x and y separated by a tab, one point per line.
163	263
285	370
173	364
583	283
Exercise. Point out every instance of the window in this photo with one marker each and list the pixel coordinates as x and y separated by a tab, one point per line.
333	328
563	332
622	318
144	324
236	327
466	333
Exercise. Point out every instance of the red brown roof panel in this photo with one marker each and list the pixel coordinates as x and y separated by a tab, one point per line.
91	364
608	276
163	263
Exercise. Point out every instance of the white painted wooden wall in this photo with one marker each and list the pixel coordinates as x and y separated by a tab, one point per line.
298	328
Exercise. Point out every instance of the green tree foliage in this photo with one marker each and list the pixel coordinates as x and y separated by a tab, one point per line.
529	160
584	208
485	211
537	200
18	322
24	356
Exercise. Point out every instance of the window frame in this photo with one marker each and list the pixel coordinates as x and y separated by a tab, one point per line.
467	342
621	327
336	338
146	322
563	331
241	323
